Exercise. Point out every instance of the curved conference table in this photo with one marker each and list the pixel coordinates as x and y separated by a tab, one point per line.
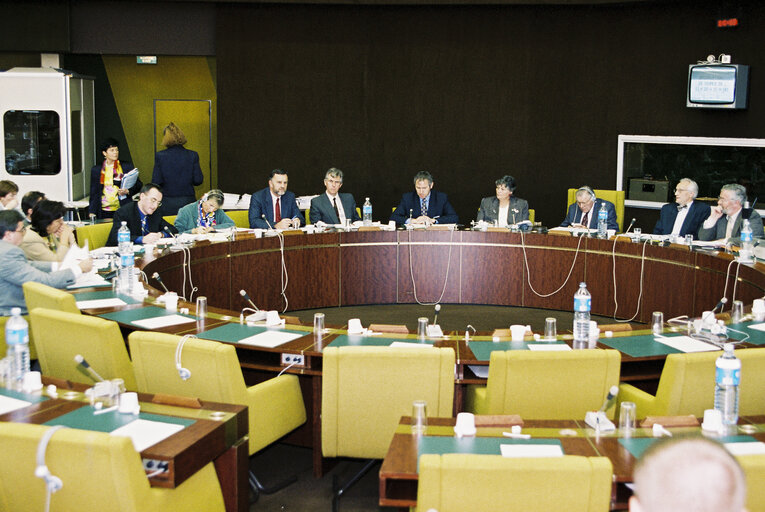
467	267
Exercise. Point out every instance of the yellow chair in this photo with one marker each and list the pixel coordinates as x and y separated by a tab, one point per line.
366	390
532	215
38	295
240	217
95	234
487	483
615	196
59	336
97	471
754	469
546	385
170	219
275	407
687	385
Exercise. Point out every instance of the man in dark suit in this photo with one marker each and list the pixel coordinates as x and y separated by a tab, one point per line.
684	216
144	221
424	205
333	207
725	219
276	204
584	212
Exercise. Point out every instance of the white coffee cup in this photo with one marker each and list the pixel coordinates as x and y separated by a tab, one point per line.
517	332
758	309
712	420
354	326
171	301
32	382
465	425
129	403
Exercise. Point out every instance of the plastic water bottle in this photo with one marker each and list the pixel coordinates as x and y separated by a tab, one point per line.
727	378
582	304
747	246
367	212
17	339
602	221
123	237
127	260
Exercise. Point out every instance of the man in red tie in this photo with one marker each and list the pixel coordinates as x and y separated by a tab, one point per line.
584	212
274	206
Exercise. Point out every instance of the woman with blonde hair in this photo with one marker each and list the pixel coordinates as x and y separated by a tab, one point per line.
204	215
176	170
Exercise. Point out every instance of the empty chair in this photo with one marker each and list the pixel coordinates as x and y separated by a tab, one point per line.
546	385
95	234
487	483
38	295
97	471
366	390
59	336
240	218
275	407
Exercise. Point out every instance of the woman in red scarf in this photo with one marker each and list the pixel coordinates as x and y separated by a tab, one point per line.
106	191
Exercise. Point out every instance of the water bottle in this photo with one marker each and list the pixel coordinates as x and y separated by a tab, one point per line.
17	339
123	237
127	260
367	212
727	378
582	303
747	246
602	221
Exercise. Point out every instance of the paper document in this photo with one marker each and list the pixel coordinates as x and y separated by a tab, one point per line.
410	345
753	448
145	433
270	339
129	179
481	371
8	404
548	346
91	279
162	321
100	303
531	450
757	327
686	344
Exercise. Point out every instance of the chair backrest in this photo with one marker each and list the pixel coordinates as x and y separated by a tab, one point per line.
486	483
551	385
615	196
240	217
95	234
38	295
170	219
752	388
59	336
97	470
366	390
754	469
532	215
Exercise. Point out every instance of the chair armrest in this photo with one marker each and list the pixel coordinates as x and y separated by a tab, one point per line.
644	402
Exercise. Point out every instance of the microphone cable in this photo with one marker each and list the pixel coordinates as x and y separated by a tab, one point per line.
528	274
446	277
642	274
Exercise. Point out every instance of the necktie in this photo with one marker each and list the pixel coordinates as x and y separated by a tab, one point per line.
681	207
424	207
337	212
278	213
585	219
144	230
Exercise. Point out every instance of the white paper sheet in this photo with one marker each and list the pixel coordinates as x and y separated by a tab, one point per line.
753	448
409	345
548	347
531	450
100	303
8	404
481	371
163	321
270	339
145	433
686	344
88	280
757	327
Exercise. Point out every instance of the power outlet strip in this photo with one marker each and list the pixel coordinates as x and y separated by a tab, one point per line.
293	359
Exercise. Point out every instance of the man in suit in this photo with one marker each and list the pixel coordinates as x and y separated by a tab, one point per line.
333	207
684	216
424	205
15	269
725	219
143	218
584	212
276	204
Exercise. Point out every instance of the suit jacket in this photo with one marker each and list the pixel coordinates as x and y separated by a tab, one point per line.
15	270
489	210
97	189
438	206
697	214
261	204
36	248
574	215
322	209
717	231
177	171
188	218
129	213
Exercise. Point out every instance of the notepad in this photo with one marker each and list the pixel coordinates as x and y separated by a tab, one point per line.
753	448
162	321
480	371
8	404
548	346
756	327
100	303
145	433
531	450
686	344
409	345
270	339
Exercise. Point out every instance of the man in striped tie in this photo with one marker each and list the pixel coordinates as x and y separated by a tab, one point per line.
424	205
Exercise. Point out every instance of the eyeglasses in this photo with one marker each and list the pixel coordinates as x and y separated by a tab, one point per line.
154	200
681	190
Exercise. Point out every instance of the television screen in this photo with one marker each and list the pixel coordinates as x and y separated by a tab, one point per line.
717	86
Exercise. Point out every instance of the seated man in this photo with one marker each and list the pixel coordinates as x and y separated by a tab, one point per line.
725	220
144	221
425	205
28	202
15	269
333	207
273	206
685	216
584	212
688	475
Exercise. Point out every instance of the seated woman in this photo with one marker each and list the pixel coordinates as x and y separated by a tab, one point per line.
204	215
107	193
504	206
48	238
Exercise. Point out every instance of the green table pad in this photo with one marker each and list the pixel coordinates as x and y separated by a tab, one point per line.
640	346
346	340
483	349
440	445
637	445
84	419
129	316
20	395
755	337
234	332
105	294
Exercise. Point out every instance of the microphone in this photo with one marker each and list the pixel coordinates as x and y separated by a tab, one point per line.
248	299
172	235
514	210
263	216
611	395
158	279
90	371
256	316
435	317
632	222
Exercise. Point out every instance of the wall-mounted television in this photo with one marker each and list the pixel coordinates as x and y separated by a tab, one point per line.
718	86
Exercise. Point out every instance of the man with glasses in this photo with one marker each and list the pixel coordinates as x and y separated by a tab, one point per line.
685	216
584	212
725	219
15	269
143	218
333	207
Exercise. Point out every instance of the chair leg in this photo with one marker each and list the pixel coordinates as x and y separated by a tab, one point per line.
258	487
338	492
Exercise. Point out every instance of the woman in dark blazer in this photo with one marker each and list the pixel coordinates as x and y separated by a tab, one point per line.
504	207
176	170
106	191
